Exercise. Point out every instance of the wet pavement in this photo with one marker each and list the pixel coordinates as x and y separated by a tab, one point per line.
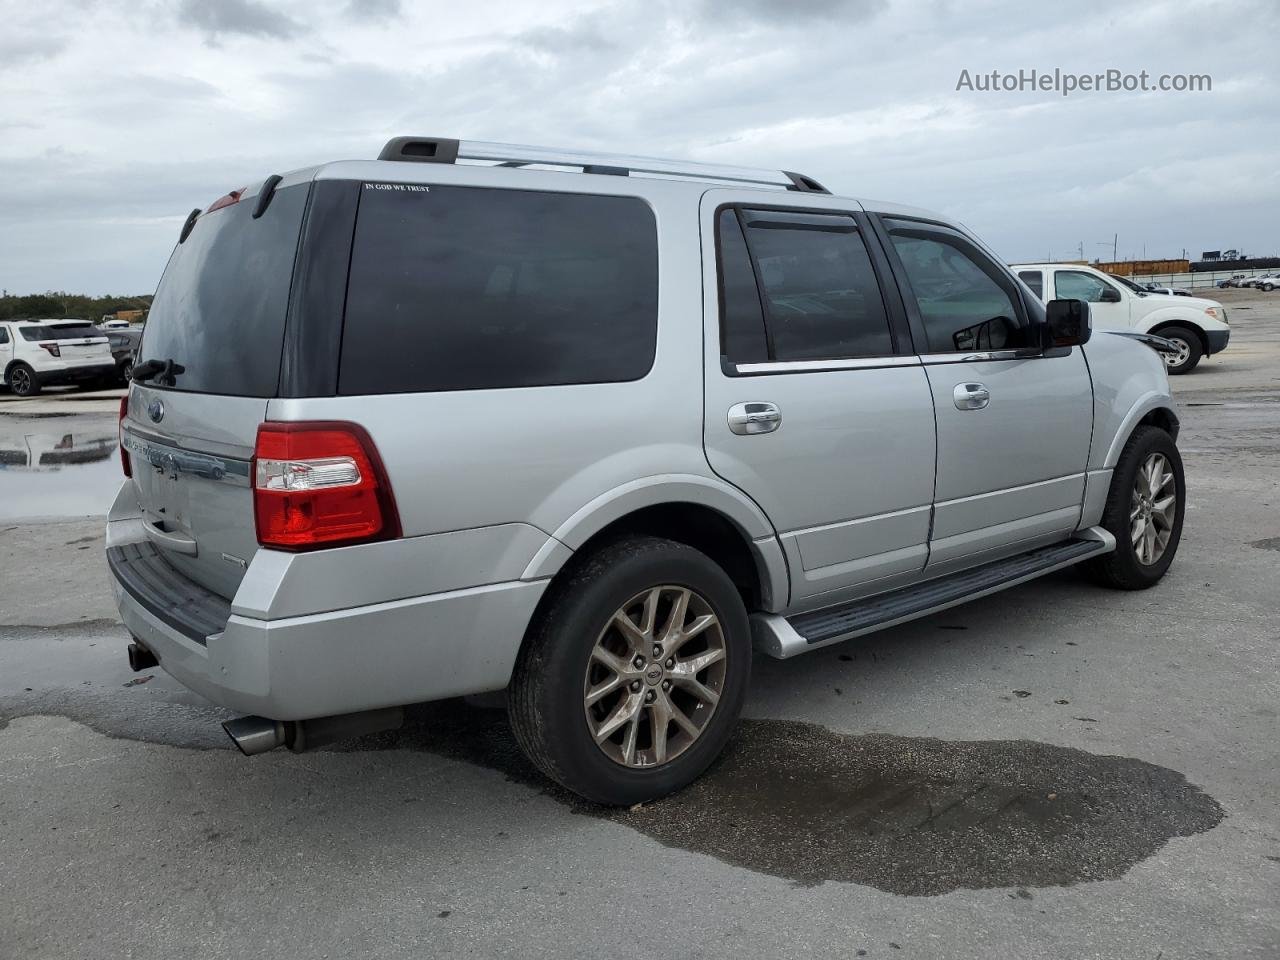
1056	771
57	465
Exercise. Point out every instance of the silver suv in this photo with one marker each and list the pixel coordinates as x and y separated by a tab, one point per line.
587	428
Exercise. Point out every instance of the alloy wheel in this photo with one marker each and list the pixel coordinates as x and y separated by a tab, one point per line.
1153	509
655	676
20	382
1179	358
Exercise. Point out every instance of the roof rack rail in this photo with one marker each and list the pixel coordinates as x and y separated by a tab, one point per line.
441	150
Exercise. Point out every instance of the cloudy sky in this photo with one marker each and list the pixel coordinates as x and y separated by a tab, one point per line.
119	116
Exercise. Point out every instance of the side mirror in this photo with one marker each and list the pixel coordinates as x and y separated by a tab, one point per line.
1109	295
1066	323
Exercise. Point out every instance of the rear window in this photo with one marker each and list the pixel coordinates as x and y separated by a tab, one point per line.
219	311
468	288
1034	280
58	333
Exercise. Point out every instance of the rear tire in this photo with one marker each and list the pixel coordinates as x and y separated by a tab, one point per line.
22	381
624	713
1190	349
1146	526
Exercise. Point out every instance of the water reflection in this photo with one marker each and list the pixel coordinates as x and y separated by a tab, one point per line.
57	474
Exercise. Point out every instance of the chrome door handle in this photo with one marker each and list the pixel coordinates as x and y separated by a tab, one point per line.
971	396
754	417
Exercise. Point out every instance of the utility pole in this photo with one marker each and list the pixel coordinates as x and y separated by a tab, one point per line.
1115	247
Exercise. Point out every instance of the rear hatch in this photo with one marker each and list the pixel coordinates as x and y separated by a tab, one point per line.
77	343
216	331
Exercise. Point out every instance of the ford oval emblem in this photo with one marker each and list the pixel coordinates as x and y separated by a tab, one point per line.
155	410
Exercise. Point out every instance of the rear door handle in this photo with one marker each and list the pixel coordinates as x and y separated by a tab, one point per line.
971	396
753	417
177	542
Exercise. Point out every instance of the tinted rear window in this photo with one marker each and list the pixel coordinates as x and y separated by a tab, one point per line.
220	308
464	288
59	333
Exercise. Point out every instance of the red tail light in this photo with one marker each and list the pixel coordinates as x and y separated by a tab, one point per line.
53	348
124	454
320	484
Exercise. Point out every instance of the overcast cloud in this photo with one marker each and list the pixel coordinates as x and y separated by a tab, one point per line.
116	118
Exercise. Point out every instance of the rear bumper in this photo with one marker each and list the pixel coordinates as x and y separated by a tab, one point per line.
74	374
346	661
1216	340
298	667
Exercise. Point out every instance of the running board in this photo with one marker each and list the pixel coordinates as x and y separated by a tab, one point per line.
784	637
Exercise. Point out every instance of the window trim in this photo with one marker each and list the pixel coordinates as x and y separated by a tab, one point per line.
1010	285
895	313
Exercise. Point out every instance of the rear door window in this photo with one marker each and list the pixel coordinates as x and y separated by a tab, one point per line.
1034	280
219	311
821	295
469	288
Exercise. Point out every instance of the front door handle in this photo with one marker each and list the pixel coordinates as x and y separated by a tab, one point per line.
746	419
971	396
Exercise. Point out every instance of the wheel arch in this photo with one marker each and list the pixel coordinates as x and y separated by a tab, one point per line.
1192	325
1154	410
712	517
18	362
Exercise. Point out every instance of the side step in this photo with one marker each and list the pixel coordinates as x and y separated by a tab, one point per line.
783	637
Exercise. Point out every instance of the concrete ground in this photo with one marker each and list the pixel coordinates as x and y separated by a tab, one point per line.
1055	771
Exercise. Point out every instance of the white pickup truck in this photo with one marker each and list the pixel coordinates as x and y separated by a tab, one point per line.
1197	327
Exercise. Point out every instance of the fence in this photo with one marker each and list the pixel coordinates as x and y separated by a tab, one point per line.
1200	280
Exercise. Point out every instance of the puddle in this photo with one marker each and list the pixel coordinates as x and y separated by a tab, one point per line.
57	474
911	816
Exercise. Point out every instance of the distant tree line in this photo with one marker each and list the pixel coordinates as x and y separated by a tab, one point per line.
67	305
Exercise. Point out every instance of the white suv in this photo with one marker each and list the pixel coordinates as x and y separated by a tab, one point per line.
36	353
1197	327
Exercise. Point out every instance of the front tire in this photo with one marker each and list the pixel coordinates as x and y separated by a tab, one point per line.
1189	347
1144	512
630	683
22	381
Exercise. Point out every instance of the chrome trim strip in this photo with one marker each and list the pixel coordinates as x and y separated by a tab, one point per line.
167	458
811	366
1024	353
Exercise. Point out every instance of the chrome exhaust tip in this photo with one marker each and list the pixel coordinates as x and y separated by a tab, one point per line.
254	735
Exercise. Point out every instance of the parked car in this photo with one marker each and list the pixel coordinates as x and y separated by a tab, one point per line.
124	345
114	324
37	353
1267	282
1198	327
1233	281
585	436
1167	291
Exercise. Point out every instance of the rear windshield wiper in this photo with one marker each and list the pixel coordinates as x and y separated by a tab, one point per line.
167	369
